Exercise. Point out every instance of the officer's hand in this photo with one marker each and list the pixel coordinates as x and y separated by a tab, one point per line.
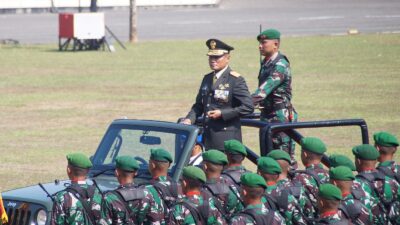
186	121
214	114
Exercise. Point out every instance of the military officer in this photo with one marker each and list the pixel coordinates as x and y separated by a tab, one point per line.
329	197
350	207
129	204
227	195
222	99
255	212
274	93
194	208
314	174
80	203
386	144
236	152
276	197
384	191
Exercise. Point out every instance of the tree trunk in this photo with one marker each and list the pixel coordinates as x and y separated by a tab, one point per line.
132	22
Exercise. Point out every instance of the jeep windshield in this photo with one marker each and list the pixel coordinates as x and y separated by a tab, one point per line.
137	141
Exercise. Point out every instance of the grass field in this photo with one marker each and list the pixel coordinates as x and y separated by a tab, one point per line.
54	103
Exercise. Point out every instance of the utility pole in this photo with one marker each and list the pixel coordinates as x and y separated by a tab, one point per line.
132	22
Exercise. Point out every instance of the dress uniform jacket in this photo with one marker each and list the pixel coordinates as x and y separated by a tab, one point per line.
229	93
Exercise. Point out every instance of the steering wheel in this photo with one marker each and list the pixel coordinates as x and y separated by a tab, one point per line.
141	160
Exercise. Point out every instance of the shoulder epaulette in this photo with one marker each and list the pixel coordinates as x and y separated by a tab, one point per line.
235	74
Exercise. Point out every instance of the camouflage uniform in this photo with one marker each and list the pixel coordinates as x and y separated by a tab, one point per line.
349	202
242	219
310	183
288	207
68	210
232	202
388	193
331	218
143	210
390	169
181	215
232	175
275	93
303	201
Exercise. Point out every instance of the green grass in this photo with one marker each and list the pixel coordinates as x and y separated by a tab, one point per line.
53	103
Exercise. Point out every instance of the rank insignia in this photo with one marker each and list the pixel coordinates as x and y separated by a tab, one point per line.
213	44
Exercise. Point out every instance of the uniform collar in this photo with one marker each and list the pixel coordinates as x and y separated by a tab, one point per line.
272	58
193	193
219	73
313	166
79	182
328	214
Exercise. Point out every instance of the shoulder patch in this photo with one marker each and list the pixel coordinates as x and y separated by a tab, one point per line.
235	74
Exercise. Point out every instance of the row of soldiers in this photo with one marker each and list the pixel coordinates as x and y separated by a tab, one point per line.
222	191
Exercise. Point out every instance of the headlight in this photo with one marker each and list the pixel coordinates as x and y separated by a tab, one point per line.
41	217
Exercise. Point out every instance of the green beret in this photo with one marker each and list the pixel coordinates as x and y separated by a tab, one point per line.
79	160
385	139
336	160
313	144
366	152
215	157
195	173
279	155
235	147
341	173
269	35
160	154
253	180
330	192
269	165
126	163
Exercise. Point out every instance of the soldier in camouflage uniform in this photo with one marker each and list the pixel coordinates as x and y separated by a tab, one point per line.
277	198
350	207
314	174
164	190
384	191
78	204
193	208
274	92
129	204
386	144
228	196
236	152
286	184
329	197
255	212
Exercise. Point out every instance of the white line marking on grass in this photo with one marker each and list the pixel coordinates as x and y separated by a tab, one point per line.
382	16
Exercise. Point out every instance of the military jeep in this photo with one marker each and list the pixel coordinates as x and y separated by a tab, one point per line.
32	205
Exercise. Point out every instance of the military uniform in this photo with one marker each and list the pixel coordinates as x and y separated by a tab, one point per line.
384	191
256	213
232	174
193	208
69	204
330	192
230	94
274	93
390	168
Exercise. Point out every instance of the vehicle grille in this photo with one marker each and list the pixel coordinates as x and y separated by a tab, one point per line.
21	213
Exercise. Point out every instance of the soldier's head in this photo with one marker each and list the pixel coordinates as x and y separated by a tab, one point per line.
198	147
78	166
269	42
218	54
235	151
213	163
193	179
386	144
252	188
269	169
329	197
126	169
159	163
312	150
365	157
283	158
336	160
342	177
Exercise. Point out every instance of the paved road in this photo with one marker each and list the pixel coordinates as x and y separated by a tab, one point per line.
233	18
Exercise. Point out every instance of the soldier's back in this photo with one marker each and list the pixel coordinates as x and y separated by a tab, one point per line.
257	214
